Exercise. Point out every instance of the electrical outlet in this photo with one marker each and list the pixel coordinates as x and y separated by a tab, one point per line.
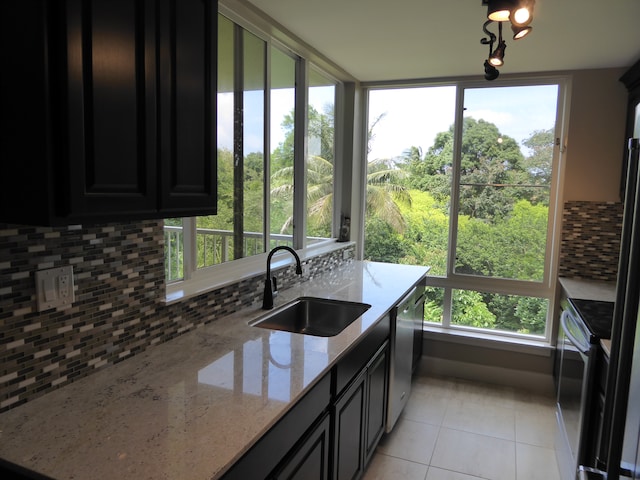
305	270
54	288
63	285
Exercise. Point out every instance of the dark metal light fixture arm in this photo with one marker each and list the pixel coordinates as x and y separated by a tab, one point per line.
492	38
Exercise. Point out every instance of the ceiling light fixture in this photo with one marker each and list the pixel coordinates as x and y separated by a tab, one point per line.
498	10
519	13
490	72
496	58
520	32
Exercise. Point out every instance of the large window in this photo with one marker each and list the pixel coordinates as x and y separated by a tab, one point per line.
474	197
272	108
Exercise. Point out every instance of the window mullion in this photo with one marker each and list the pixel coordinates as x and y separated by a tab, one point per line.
447	306
455	180
190	253
300	156
238	145
266	196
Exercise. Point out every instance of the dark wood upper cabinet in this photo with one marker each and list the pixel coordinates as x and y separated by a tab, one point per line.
188	93
108	110
107	87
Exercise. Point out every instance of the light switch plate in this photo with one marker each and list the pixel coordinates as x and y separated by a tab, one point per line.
54	288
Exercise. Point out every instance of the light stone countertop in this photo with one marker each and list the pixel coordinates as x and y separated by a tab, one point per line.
189	408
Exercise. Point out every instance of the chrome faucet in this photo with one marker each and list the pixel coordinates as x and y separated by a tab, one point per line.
267	300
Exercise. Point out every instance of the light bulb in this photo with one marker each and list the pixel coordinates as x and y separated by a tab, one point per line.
521	16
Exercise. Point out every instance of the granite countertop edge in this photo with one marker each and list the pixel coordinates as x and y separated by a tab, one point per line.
191	407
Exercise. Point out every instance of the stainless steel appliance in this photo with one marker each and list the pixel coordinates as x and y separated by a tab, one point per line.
621	420
582	324
406	318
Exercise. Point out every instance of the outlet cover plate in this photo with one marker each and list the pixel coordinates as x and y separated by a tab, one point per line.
54	288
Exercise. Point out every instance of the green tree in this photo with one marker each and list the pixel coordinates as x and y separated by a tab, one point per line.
538	166
382	244
490	163
426	233
469	309
384	191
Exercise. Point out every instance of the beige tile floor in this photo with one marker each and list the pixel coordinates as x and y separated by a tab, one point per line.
455	429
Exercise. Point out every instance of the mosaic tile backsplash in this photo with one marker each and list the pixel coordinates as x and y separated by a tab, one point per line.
591	234
119	307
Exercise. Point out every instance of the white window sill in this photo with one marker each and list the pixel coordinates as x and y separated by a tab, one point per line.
497	341
206	279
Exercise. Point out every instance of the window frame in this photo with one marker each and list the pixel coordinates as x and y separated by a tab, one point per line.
198	280
457	281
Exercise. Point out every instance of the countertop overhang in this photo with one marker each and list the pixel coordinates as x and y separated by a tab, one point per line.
191	407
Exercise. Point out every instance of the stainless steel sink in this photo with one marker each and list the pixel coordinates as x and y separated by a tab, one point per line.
320	317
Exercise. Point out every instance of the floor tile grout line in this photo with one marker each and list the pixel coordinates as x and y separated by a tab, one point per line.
458	472
476	433
435	444
516	408
403	459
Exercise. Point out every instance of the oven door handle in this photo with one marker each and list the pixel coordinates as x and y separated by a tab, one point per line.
584	347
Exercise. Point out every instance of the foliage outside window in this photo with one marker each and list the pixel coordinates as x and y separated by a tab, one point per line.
497	187
257	191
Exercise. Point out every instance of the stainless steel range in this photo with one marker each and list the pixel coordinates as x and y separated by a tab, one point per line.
582	324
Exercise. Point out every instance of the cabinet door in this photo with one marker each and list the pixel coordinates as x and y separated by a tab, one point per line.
103	102
377	375
349	418
310	461
188	69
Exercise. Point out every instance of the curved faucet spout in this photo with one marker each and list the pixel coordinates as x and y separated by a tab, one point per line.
267	299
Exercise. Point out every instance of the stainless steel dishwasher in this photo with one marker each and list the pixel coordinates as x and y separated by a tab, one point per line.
404	322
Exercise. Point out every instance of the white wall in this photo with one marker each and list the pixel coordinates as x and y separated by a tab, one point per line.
595	141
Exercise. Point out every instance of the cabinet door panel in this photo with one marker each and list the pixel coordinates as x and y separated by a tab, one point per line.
188	68
377	375
110	89
349	421
311	459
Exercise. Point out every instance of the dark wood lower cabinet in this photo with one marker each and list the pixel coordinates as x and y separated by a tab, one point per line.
377	386
310	460
276	446
332	432
360	417
349	421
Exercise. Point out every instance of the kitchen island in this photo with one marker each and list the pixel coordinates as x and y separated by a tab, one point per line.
191	407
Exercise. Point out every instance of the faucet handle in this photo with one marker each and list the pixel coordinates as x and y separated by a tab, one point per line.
275	286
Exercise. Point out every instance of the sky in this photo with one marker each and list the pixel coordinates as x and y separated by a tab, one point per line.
282	104
414	116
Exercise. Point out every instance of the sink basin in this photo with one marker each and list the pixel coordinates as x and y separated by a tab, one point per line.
320	317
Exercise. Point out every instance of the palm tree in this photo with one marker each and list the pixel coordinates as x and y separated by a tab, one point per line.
383	192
